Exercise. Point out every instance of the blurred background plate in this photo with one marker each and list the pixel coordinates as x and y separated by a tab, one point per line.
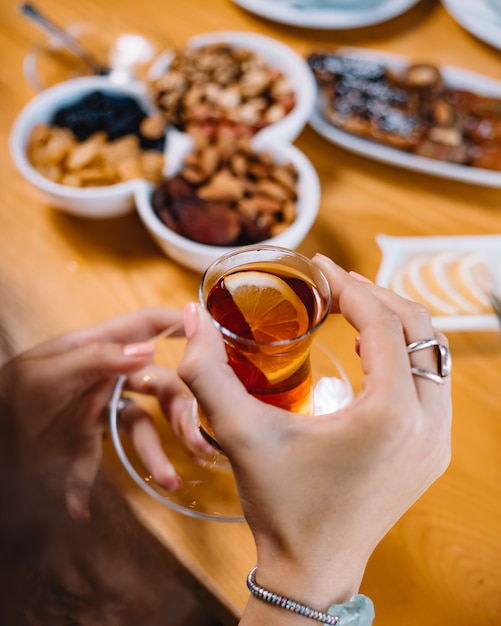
454	77
328	14
481	18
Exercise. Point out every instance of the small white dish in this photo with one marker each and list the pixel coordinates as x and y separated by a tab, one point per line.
325	14
198	256
481	18
91	202
454	77
278	56
396	251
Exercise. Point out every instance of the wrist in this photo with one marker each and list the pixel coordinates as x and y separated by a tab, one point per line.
357	611
320	580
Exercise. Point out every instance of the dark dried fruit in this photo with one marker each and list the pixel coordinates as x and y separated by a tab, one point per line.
117	115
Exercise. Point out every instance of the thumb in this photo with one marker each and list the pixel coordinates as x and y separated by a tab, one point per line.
205	369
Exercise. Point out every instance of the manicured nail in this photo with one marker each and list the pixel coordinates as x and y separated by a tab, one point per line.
78	511
191	319
322	257
173	482
360	278
138	349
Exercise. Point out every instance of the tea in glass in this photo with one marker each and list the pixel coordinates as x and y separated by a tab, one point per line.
268	302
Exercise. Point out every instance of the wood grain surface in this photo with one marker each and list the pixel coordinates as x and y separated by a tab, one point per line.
440	565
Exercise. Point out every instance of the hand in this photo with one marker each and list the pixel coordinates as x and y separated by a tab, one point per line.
60	393
319	493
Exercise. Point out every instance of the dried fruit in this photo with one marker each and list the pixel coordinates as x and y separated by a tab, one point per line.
100	140
226	196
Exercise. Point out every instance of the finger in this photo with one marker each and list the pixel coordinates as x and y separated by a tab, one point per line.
133	327
81	368
81	475
417	326
382	344
417	319
224	400
176	402
139	424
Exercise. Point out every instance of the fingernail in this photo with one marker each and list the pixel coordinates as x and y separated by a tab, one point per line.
200	444
360	278
190	319
173	480
138	349
322	257
76	509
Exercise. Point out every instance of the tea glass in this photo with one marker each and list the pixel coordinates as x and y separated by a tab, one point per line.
310	380
274	365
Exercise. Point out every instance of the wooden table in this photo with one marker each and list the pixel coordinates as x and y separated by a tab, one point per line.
440	565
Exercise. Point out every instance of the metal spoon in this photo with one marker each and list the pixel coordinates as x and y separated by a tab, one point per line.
64	38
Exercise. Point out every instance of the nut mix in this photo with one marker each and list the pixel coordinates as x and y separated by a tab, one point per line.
228	194
100	140
412	110
220	86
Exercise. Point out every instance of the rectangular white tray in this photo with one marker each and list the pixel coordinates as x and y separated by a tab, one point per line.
397	250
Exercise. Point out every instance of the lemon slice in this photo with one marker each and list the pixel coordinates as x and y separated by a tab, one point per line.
413	282
451	275
273	313
448	283
476	280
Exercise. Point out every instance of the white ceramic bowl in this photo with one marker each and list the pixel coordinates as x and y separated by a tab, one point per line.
277	55
92	202
198	256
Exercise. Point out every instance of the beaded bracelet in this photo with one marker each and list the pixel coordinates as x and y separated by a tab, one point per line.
359	611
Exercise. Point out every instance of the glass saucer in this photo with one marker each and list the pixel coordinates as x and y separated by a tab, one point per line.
209	491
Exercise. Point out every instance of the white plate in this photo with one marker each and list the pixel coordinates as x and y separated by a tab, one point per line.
478	18
454	77
397	250
342	14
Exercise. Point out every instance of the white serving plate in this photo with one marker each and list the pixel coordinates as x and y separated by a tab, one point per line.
478	17
397	250
341	14
454	77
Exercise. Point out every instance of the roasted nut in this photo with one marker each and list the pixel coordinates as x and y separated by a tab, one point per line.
443	113
222	186
264	204
93	162
286	177
153	126
423	76
272	189
85	152
226	85
275	113
448	136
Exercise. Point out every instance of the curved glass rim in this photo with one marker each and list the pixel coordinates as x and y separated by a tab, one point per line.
253	342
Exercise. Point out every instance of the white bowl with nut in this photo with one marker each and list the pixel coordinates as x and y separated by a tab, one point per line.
223	193
237	81
96	173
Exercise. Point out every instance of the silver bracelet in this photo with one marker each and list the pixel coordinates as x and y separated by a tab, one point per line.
359	611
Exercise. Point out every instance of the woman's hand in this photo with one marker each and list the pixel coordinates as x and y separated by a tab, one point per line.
60	390
319	493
